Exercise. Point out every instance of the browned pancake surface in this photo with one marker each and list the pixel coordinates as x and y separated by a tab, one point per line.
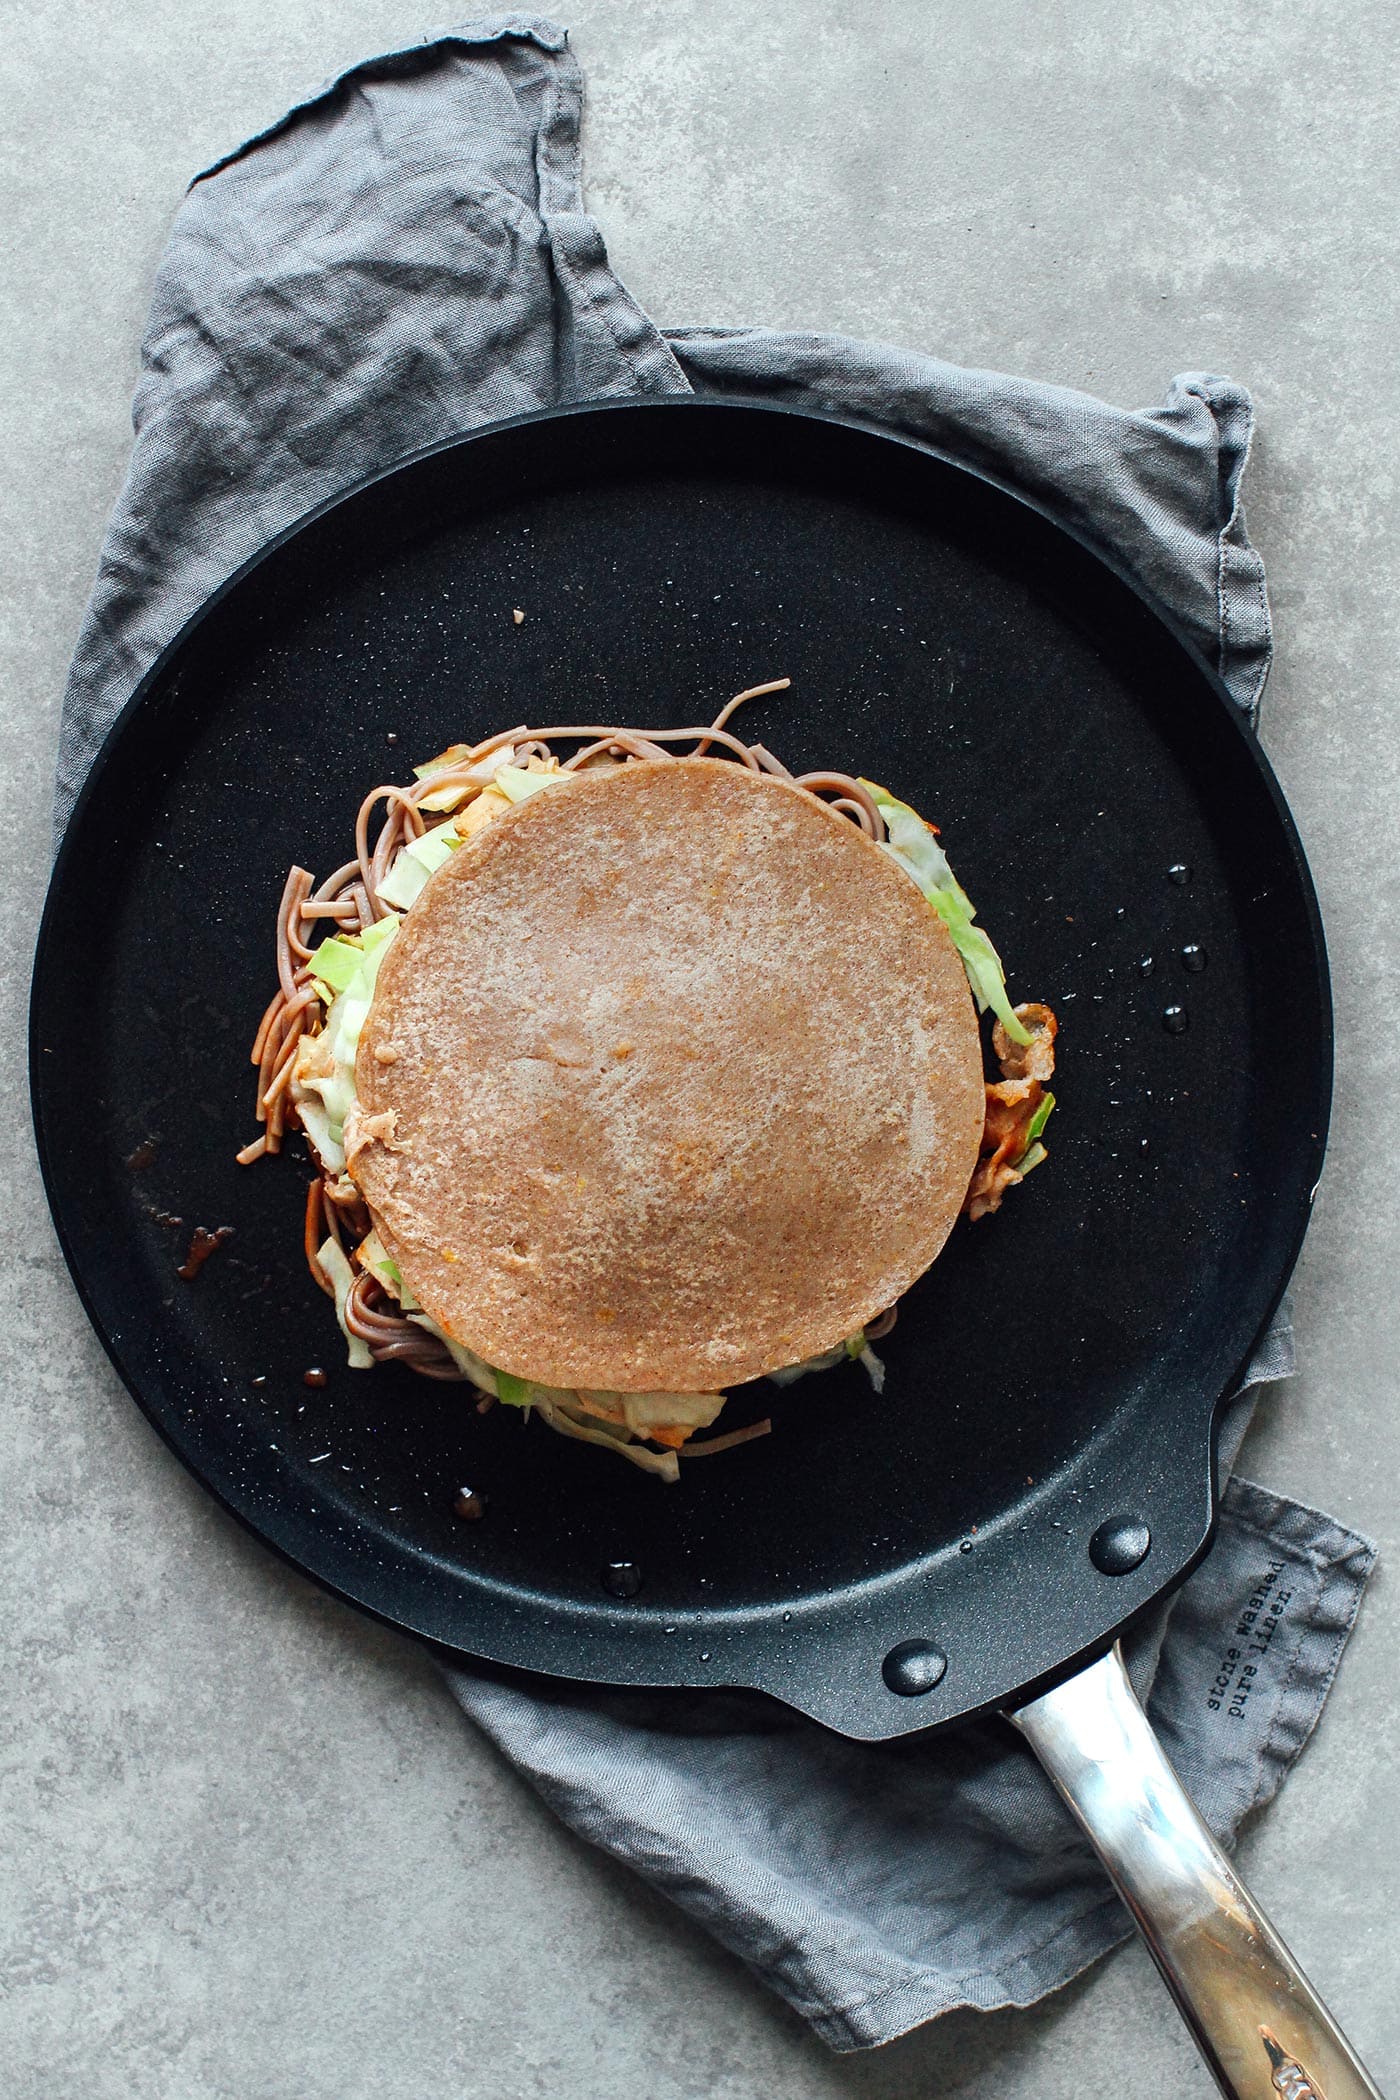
686	1081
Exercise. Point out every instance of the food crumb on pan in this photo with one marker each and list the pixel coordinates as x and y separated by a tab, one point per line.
203	1243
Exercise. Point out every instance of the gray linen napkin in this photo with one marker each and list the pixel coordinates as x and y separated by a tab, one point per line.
405	255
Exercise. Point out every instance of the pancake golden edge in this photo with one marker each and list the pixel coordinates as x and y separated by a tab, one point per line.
671	1078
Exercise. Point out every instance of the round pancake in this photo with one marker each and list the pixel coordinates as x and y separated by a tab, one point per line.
685	1080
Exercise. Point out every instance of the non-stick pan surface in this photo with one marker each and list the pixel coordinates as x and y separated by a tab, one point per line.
1125	843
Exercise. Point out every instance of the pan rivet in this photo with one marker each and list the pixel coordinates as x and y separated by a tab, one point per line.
622	1578
914	1667
1120	1545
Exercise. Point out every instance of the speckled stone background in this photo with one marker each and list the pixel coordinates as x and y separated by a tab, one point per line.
251	1850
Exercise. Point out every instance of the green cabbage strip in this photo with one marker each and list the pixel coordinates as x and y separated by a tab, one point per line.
589	1430
372	1255
553	1406
860	1352
918	852
642	1412
420	858
336	963
520	785
348	967
855	1349
646	1411
333	1259
1033	1152
408	877
561	1410
468	776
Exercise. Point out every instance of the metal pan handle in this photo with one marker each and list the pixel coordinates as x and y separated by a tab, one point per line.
1256	2019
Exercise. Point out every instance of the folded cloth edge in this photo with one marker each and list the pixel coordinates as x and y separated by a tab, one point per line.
1342	1560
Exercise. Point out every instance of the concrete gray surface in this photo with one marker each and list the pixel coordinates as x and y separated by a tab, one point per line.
251	1850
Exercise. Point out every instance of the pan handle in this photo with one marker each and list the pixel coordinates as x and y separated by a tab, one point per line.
1255	2018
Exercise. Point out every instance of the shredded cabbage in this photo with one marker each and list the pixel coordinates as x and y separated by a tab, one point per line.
918	852
645	1411
373	1257
333	1259
324	1099
317	1125
860	1352
640	1413
663	1463
434	847
854	1347
443	763
648	1414
568	1412
376	935
872	1365
520	785
469	778
559	1409
337	963
408	877
790	1373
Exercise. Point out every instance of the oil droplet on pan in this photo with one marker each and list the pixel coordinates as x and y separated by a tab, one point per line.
622	1578
1176	1020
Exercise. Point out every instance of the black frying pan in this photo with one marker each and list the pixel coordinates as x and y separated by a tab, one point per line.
1040	1466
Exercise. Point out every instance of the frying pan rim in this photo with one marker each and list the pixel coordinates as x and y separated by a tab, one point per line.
1107	558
